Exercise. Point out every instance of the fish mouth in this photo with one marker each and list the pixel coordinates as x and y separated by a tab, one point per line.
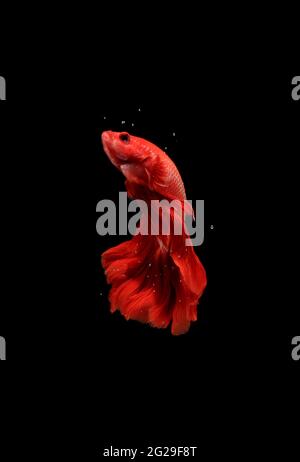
110	149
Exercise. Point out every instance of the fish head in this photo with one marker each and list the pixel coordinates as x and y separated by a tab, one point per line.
130	154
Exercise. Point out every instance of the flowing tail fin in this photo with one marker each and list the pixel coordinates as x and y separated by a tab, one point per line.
156	280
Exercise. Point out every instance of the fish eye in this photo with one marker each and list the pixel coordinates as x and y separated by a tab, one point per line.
124	137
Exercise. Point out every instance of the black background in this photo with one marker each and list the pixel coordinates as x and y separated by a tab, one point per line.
236	146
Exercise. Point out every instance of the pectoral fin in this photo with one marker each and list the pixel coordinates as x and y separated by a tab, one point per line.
135	173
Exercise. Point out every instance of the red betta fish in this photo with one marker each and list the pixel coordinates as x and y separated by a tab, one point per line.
155	279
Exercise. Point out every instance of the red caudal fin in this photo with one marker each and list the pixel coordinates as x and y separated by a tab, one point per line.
156	280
